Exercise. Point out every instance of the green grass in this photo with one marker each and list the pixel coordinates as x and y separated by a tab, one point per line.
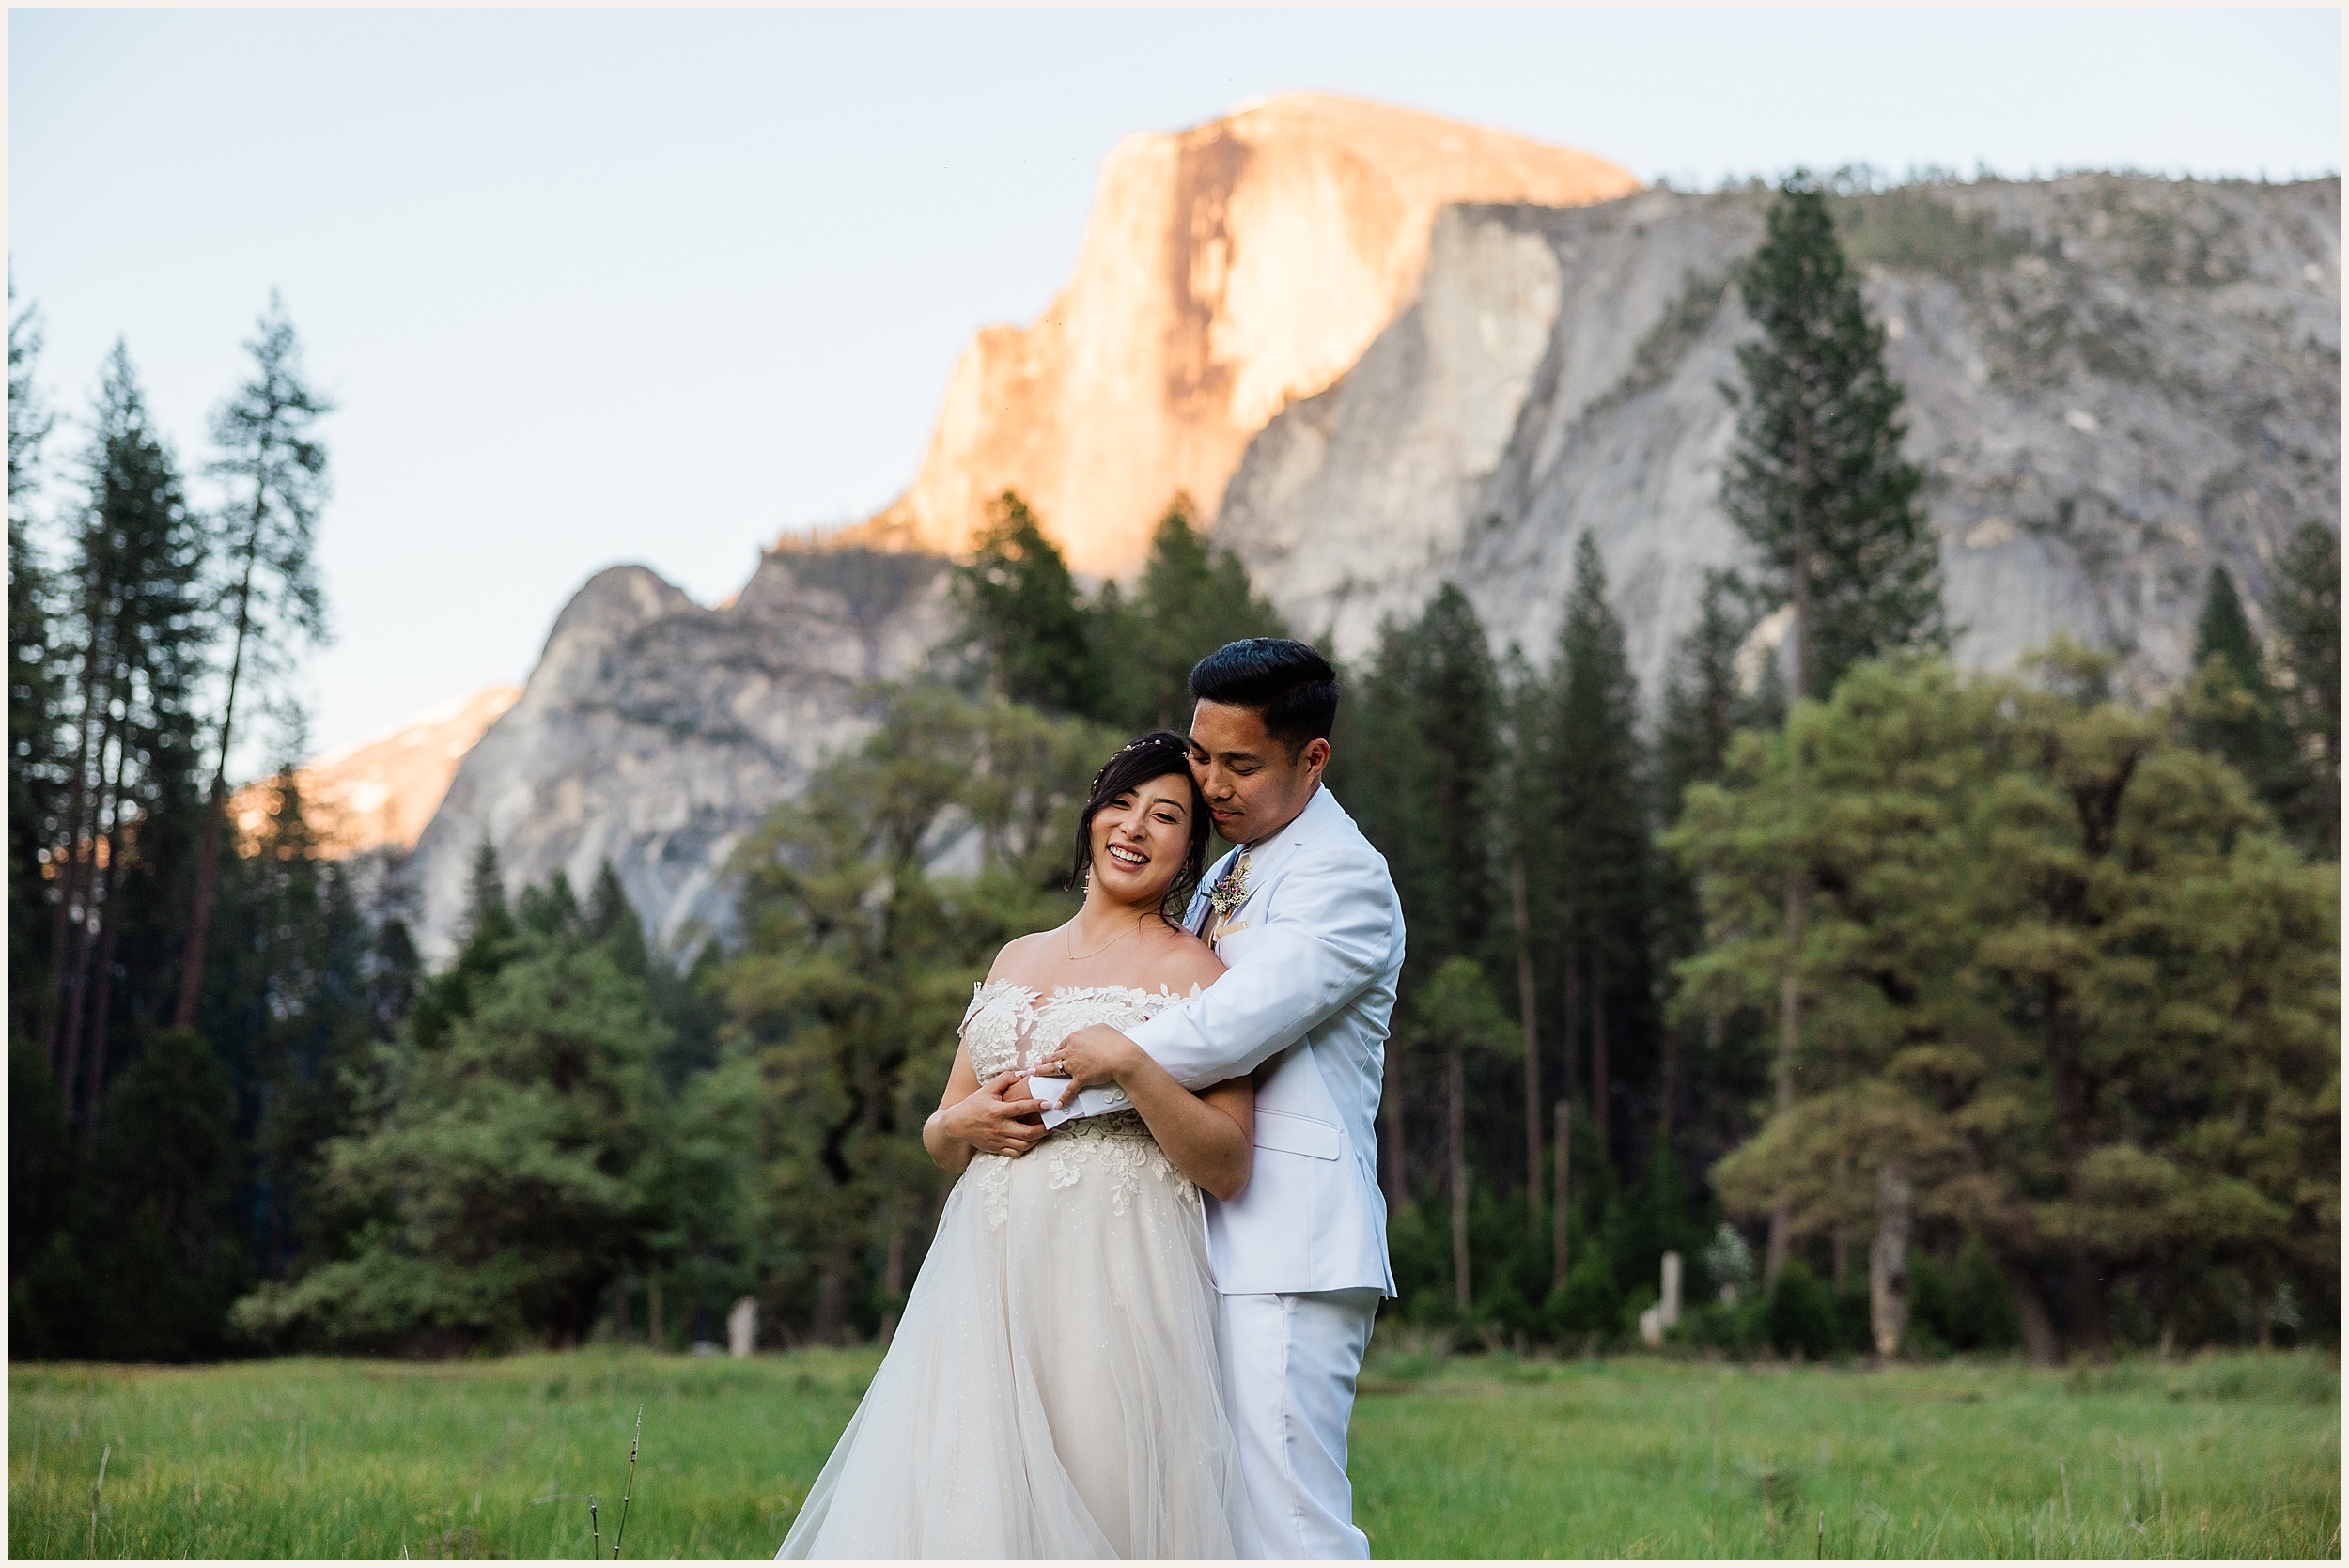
1482	1456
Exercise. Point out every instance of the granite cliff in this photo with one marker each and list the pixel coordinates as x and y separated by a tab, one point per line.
1226	271
379	794
654	731
2113	383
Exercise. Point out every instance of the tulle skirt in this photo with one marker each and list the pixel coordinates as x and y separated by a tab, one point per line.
1053	1389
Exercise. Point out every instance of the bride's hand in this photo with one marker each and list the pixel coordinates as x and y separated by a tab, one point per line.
992	1123
1093	1055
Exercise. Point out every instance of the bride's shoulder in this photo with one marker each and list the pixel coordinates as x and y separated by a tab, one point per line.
1018	956
1180	960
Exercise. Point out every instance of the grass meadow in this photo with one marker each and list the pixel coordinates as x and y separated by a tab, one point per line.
1478	1457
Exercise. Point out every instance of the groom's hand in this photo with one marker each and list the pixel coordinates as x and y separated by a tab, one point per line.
1090	1057
994	1124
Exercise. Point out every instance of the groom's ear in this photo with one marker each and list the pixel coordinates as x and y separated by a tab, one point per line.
1315	756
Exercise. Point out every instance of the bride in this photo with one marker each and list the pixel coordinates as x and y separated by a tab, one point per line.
1052	1389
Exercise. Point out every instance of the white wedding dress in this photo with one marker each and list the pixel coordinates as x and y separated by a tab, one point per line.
1052	1389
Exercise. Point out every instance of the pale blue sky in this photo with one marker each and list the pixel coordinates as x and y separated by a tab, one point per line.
652	285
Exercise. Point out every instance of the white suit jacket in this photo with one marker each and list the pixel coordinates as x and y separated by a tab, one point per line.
1314	955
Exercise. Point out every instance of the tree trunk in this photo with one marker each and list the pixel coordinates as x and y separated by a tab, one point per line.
1798	883
1571	1035
1601	1099
208	845
1455	1070
1888	1260
1782	1075
831	1307
653	1335
70	873
1839	1249
1667	1082
2073	1096
1563	1153
100	1010
2039	1335
80	967
1525	1014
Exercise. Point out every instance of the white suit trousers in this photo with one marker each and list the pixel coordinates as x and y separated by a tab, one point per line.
1289	1366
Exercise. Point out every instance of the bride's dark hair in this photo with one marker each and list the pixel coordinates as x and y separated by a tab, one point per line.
1155	755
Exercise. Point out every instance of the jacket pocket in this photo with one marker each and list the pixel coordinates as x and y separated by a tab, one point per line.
1293	1134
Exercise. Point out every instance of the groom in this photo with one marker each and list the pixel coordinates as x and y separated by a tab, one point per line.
1306	917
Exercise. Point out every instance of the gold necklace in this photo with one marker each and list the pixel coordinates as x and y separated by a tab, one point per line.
1069	940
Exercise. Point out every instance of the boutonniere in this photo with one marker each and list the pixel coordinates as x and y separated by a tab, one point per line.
1231	890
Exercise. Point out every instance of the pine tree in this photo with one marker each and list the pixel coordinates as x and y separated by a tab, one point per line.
275	470
489	936
1454	1017
1022	612
1523	801
2306	609
1455	696
133	641
1816	481
514	1175
1602	868
34	691
2067	983
1192	599
1817	484
1704	707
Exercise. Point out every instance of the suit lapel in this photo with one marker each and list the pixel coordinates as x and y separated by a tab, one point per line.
1195	919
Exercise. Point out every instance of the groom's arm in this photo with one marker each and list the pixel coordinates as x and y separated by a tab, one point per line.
1331	937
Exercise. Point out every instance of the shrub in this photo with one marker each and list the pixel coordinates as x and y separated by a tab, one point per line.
1799	1317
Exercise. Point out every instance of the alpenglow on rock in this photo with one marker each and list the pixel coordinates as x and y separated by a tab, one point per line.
1226	271
654	732
2113	384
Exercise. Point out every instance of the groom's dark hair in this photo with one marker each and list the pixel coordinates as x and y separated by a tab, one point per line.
1287	685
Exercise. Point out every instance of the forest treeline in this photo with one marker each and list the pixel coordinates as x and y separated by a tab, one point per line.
1916	1010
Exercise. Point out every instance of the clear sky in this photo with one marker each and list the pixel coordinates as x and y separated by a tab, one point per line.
653	286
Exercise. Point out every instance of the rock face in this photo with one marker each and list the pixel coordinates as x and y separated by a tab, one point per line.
654	732
2113	384
379	794
1226	271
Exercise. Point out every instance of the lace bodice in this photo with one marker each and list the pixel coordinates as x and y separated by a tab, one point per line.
1012	1027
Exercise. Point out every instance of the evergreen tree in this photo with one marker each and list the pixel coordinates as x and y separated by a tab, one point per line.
1816	481
856	965
1526	827
2306	609
1454	1017
289	1004
1601	872
1454	693
2070	993
1192	599
269	604
150	1254
1817	484
1022	612
489	936
1704	707
133	641
514	1175
2237	712
35	693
